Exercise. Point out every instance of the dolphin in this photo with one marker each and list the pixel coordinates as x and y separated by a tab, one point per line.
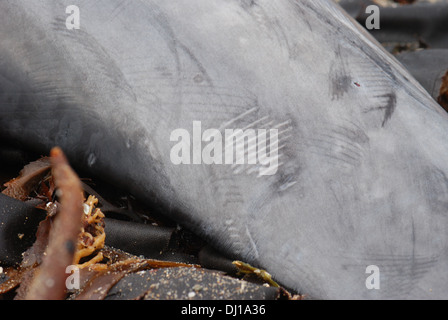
346	195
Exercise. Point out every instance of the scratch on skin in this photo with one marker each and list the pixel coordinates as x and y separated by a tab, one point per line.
389	107
252	243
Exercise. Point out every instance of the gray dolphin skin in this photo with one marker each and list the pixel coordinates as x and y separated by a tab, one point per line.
354	201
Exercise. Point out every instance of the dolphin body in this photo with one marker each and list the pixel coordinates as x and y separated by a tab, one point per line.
357	205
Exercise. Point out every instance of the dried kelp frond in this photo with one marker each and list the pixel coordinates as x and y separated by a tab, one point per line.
28	179
10	278
99	278
188	284
92	235
246	268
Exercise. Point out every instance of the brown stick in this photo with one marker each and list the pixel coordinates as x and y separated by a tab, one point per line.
49	283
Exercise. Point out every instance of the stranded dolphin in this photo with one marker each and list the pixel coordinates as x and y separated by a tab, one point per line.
346	195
